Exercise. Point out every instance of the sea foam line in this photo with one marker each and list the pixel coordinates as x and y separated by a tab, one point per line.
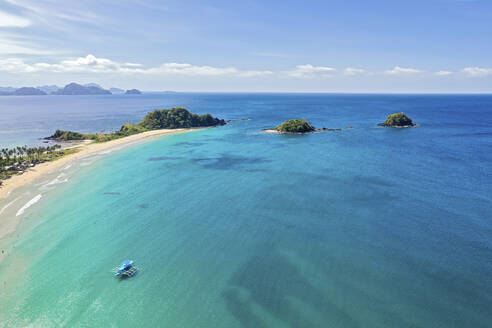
57	180
6	206
28	204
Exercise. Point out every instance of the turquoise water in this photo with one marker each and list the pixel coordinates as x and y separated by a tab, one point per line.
233	227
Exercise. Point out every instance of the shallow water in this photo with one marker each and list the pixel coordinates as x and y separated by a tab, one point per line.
233	227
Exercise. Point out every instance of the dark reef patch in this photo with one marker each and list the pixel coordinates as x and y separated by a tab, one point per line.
228	162
162	158
112	193
191	144
372	180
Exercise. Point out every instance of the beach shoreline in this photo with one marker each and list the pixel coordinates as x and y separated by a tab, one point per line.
85	149
10	223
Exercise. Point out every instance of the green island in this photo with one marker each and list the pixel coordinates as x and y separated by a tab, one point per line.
398	120
298	126
17	160
295	126
174	118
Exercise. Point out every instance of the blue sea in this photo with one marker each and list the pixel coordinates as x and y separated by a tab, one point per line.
234	227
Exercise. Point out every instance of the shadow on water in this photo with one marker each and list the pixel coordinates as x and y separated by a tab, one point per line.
372	180
190	144
269	281
125	277
228	162
163	158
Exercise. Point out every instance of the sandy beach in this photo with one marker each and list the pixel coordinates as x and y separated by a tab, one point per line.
9	224
85	149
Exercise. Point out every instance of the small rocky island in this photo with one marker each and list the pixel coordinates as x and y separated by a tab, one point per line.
133	92
297	126
398	120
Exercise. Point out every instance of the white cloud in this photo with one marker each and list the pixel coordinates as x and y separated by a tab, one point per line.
188	69
15	65
93	64
193	70
9	20
309	70
351	71
402	70
254	73
443	73
477	71
132	65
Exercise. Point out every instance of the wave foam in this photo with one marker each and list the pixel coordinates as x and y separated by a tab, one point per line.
28	204
57	180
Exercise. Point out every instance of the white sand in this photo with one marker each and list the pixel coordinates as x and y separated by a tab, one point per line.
86	149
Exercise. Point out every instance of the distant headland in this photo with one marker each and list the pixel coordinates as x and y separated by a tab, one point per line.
133	92
71	89
174	118
77	89
21	160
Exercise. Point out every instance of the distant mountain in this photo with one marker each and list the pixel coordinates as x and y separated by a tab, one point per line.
49	88
95	85
24	91
77	89
116	90
7	89
69	89
29	91
133	92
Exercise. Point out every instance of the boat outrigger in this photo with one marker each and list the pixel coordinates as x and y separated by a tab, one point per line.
126	269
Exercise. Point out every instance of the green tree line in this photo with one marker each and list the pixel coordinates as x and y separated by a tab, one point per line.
174	118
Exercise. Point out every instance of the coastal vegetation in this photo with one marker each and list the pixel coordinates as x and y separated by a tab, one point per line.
17	160
398	120
295	126
178	118
299	126
174	118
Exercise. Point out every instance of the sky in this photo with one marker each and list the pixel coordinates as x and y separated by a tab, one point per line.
353	46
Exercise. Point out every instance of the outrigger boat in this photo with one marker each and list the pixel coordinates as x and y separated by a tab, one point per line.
126	269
